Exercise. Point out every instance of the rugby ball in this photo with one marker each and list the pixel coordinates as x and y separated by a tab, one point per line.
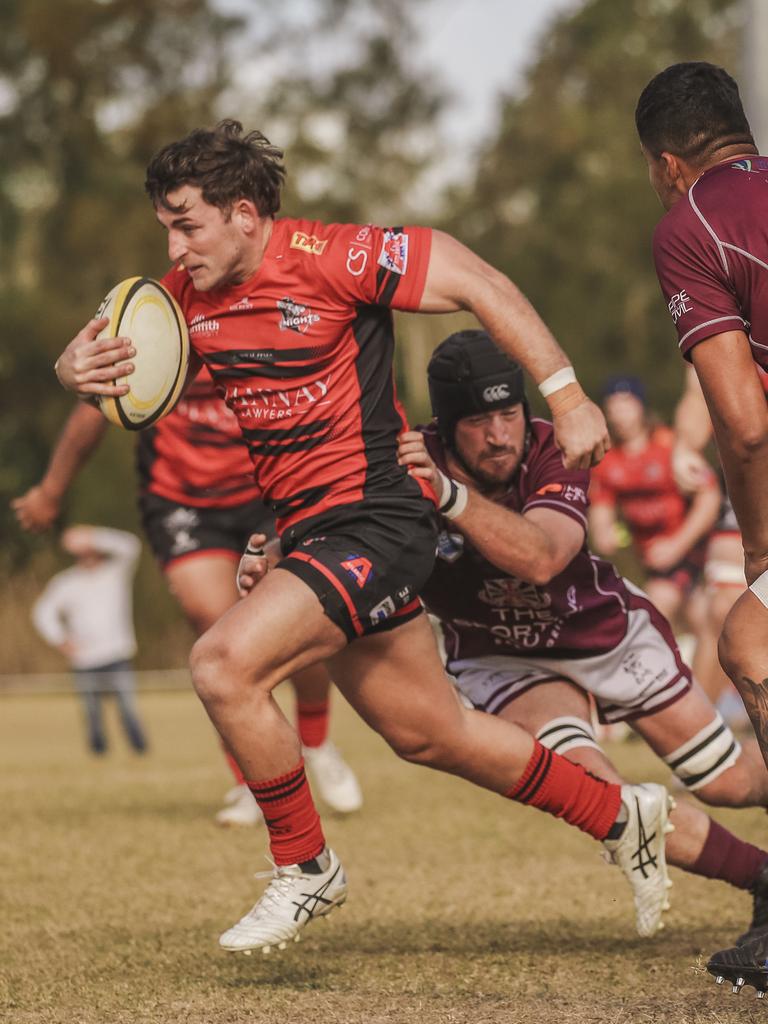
141	309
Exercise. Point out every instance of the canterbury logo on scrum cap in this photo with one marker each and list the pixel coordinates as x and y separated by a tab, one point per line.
308	243
496	393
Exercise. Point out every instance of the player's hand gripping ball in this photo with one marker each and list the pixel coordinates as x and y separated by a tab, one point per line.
143	310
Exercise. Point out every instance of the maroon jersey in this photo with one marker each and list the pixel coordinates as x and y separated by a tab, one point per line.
579	613
196	455
711	253
302	353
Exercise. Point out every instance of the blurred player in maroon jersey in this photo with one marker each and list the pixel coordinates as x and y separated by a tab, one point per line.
534	622
711	254
670	530
199	505
293	319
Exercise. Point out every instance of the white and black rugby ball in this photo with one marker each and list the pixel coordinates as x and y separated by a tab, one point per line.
141	309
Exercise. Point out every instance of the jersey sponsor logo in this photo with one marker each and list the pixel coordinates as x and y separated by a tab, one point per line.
308	243
572	492
295	316
510	592
680	303
394	252
450	546
359	568
202	327
244	303
357	260
550	489
276	404
382	610
496	393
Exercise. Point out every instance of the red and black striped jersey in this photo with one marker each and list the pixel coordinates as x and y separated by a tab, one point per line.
302	353
196	454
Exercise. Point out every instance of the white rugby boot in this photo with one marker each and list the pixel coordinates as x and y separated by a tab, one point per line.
242	811
333	779
293	898
639	852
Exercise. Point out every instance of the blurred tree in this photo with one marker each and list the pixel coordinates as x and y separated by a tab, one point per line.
561	200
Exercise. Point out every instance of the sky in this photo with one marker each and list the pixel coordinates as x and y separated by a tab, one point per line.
480	47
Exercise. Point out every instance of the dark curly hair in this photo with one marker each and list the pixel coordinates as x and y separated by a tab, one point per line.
224	164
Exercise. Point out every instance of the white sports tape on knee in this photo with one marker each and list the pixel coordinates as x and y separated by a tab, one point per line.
566	733
760	588
706	755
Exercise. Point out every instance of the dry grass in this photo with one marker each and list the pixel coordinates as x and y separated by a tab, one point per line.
462	909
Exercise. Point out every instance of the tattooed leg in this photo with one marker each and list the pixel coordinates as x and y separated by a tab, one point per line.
743	654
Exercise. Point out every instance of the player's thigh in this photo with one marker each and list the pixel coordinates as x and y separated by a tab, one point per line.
668	729
278	629
538	706
665	595
396	681
204	585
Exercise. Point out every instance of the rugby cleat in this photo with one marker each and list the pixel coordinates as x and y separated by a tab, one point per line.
333	779
742	965
639	852
241	812
294	897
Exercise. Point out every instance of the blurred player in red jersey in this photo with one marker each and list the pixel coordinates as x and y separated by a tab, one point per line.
199	505
293	319
670	530
534	622
711	254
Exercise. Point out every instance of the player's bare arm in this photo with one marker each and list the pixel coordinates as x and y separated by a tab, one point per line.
458	279
603	529
665	552
693	432
739	413
534	546
38	509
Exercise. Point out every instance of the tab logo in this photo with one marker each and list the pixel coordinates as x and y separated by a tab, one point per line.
496	393
308	243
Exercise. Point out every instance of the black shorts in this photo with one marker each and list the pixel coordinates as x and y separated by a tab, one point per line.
366	563
177	531
687	573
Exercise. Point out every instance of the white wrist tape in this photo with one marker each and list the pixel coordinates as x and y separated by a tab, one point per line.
760	588
453	497
250	552
558	380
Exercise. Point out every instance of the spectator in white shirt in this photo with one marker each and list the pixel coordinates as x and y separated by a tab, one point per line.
86	612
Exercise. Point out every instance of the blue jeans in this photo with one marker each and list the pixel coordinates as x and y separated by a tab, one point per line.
116	678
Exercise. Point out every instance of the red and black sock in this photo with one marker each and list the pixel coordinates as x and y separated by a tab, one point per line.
729	859
295	832
566	790
312	722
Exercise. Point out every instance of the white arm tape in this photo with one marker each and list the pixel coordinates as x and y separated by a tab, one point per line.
560	379
760	588
453	497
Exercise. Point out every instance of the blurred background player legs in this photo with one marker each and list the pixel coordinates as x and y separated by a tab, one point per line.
86	612
96	683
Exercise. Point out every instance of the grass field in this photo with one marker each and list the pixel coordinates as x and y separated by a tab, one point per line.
462	908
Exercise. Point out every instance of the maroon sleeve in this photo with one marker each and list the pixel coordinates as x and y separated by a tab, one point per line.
691	268
550	485
368	265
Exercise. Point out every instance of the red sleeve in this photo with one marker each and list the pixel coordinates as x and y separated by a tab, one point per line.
601	492
368	265
693	277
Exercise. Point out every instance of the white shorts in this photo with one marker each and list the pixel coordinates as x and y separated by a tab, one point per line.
641	675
